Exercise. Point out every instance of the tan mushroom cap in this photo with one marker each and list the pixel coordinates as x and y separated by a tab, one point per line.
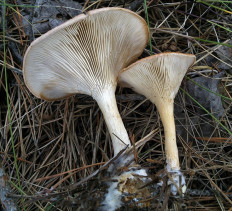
157	76
85	54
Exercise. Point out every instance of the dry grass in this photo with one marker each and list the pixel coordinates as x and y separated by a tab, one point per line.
61	143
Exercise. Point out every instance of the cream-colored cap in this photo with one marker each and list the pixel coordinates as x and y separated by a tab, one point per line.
85	54
157	77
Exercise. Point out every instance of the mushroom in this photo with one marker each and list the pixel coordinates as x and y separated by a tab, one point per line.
84	55
158	78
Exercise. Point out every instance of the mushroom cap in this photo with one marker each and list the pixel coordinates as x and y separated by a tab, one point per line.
158	76
85	54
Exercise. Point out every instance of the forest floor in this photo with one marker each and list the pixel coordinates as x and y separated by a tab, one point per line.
47	148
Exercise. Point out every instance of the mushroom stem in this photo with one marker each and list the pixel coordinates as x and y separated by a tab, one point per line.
166	111
107	103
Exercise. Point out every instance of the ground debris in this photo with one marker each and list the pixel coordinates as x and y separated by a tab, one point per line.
212	102
6	201
225	54
48	14
60	145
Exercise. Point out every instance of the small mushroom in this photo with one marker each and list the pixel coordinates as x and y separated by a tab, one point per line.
84	55
158	78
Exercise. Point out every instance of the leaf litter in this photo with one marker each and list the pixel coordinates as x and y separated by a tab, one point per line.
65	144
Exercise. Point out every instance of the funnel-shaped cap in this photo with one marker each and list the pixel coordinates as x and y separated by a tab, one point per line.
85	54
157	77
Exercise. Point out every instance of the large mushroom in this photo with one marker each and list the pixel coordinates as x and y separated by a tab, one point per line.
158	78
84	55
